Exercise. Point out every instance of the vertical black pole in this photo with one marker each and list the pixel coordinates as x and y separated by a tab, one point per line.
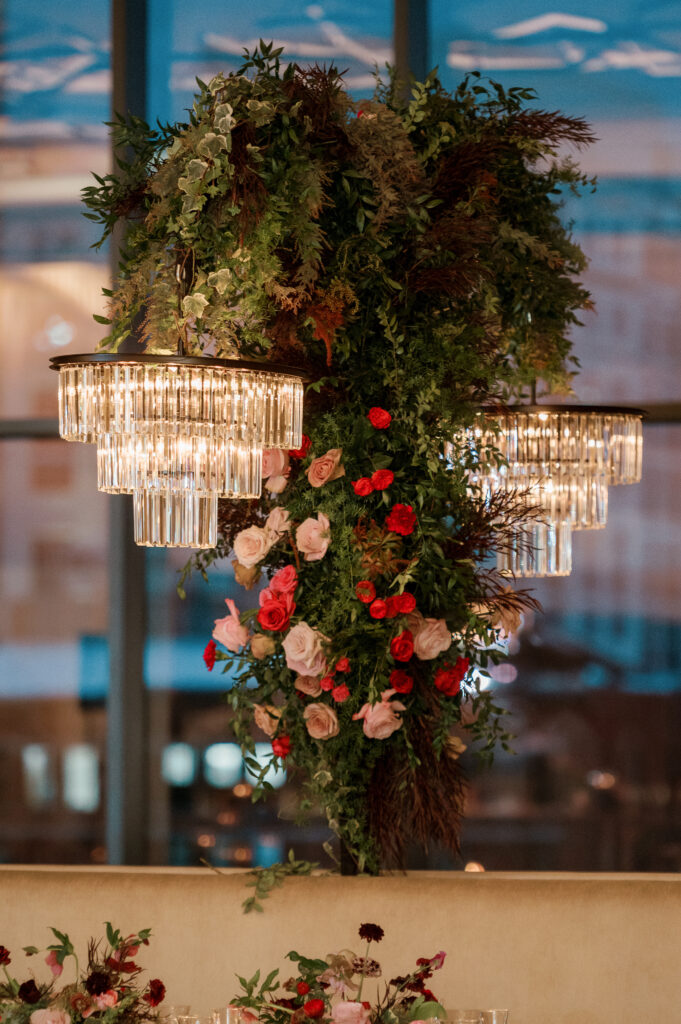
411	39
127	705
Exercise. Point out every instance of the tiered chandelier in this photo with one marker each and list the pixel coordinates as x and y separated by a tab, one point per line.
562	458
177	432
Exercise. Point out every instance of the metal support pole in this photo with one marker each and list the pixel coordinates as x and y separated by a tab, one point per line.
411	40
127	702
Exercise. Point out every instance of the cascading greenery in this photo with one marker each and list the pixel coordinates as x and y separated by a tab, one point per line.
409	255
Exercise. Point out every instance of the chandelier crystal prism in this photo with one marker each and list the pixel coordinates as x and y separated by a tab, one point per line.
178	432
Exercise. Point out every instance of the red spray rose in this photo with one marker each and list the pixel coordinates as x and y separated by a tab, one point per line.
378	609
156	993
379	418
365	591
340	693
402	519
302	988
314	1008
5	957
300	453
343	665
282	746
362	487
448	678
400	681
405	603
327	683
275	614
209	658
402	646
382	478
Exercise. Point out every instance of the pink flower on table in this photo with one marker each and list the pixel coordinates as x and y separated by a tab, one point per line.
303	649
274	462
276	484
284	580
262	646
267	718
381	720
321	721
309	685
350	1013
431	636
251	545
50	1016
313	537
228	631
105	1000
326	468
277	524
51	959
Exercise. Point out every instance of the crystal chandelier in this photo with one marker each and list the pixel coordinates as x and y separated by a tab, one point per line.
177	432
562	459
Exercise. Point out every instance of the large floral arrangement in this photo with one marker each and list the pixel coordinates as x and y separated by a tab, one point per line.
409	255
330	990
107	989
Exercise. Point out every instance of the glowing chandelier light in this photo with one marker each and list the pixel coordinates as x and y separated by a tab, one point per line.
177	432
562	458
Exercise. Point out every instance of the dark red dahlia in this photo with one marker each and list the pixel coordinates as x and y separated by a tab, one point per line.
371	932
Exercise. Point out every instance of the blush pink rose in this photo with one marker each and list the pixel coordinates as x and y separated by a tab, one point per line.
267	718
50	1016
432	637
274	462
284	580
350	1013
326	468
228	631
251	545
381	720
313	538
53	963
106	999
262	646
303	649
321	721
309	685
277	523
276	484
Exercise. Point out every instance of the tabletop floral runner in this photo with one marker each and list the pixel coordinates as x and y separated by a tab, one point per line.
330	990
406	251
108	988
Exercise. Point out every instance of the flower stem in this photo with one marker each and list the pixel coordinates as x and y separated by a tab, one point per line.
364	967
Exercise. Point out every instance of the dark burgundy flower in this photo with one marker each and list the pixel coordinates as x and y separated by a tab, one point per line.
209	655
156	993
401	681
5	958
97	983
371	932
367	966
29	992
314	1008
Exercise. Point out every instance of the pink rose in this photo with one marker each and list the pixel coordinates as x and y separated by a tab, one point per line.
380	720
303	648
431	636
326	468
274	462
106	999
276	484
321	721
267	718
309	685
228	631
262	646
350	1013
50	1016
284	580
251	545
313	538
53	963
277	523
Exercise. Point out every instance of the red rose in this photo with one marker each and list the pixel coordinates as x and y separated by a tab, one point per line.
343	665
209	658
302	988
379	418
5	957
405	603
275	614
340	693
448	678
362	487
378	609
402	519
314	1008
156	993
402	646
327	683
300	453
400	681
382	478
281	746
391	607
365	591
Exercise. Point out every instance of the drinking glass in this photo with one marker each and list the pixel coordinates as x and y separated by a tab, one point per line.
174	1013
494	1017
464	1016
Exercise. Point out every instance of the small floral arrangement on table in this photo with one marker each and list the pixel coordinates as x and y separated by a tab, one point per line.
108	989
330	991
